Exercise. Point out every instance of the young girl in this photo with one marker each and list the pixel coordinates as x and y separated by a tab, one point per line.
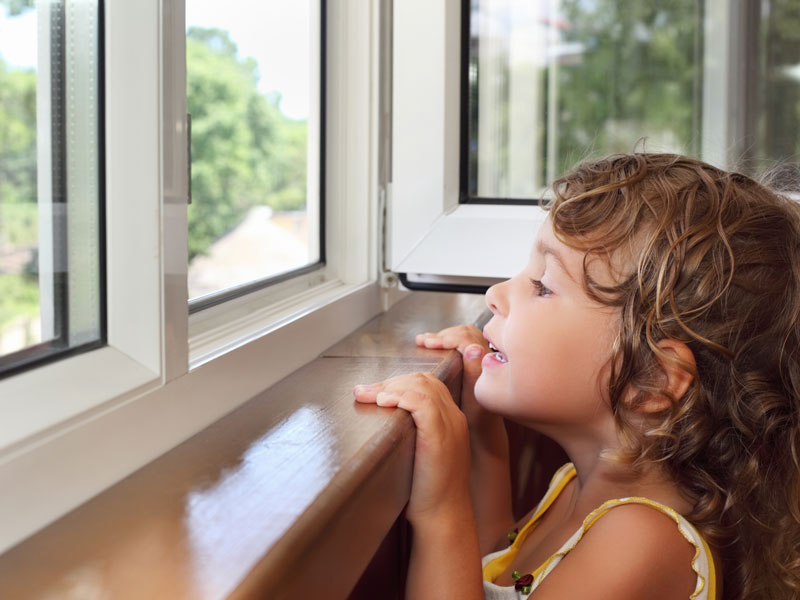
655	336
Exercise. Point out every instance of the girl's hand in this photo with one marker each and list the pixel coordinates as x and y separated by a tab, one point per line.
490	484
458	337
469	341
441	480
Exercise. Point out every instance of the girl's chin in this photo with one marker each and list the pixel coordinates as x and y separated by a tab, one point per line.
486	394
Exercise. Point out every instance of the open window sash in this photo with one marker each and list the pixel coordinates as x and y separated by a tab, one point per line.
436	238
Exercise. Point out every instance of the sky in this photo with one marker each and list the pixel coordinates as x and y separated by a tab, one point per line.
274	32
18	39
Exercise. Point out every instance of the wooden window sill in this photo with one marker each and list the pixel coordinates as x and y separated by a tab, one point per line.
288	496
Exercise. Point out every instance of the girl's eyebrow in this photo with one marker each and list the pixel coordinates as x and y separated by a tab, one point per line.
544	250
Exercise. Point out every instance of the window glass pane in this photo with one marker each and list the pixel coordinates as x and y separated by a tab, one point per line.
51	296
253	92
778	123
550	82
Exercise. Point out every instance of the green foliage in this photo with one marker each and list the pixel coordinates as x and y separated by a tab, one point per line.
637	76
19	292
780	95
622	70
17	135
19	224
16	7
245	153
19	296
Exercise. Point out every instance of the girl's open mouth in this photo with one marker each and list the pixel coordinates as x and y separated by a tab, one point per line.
495	355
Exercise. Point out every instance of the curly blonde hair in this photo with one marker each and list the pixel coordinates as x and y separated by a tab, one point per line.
716	265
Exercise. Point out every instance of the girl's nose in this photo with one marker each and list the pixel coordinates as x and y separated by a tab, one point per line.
496	298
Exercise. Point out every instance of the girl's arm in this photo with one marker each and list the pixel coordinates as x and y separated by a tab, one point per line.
445	560
490	478
445	557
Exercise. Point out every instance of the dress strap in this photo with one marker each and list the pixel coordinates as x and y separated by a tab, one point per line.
498	565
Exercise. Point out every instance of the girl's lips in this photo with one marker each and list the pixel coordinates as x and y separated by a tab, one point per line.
494	358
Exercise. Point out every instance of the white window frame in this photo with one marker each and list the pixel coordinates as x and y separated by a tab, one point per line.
435	240
81	424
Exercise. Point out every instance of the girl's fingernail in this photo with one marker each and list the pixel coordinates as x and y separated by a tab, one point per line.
359	389
473	352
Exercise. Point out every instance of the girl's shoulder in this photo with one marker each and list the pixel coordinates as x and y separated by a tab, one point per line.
631	546
629	550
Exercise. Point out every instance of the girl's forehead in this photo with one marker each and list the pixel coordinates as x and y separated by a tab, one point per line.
606	267
561	256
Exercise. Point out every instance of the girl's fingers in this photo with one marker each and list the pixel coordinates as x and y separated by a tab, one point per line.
458	337
441	457
387	399
432	340
420	394
428	414
367	393
437	342
471	359
422	383
421	337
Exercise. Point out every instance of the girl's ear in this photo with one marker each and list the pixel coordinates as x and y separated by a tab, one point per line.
679	368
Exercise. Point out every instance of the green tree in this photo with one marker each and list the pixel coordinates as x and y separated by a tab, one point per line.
245	152
637	76
626	69
19	297
19	292
16	7
779	138
18	222
17	135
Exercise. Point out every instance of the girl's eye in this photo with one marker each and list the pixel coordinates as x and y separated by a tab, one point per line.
541	289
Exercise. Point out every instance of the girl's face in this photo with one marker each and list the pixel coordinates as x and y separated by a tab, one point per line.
553	342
